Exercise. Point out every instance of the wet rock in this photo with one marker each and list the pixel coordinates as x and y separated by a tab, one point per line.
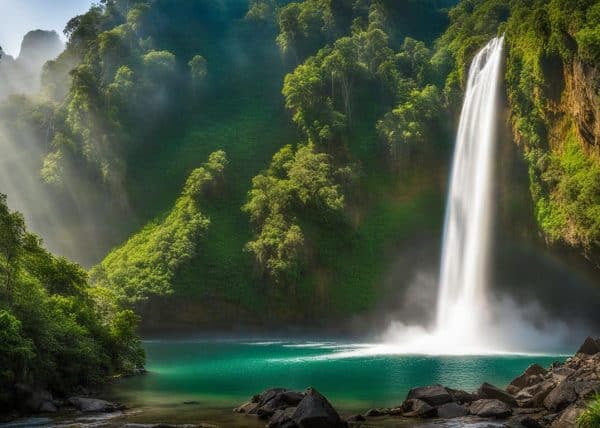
462	396
373	413
489	391
356	418
528	422
47	407
490	408
278	401
248	408
534	374
415	408
590	346
93	405
569	417
31	399
283	419
561	373
535	395
314	411
568	392
451	410
434	395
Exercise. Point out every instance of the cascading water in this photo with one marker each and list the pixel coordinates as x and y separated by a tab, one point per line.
465	253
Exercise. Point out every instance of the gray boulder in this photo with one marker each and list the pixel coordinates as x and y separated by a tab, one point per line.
489	391
534	396
490	408
534	374
415	408
451	410
314	411
91	405
568	392
434	395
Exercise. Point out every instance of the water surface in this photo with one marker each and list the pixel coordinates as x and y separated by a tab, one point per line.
215	376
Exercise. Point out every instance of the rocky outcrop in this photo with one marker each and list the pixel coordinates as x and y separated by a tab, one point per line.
284	408
539	398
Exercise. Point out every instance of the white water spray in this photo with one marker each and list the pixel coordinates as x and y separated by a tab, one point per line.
461	306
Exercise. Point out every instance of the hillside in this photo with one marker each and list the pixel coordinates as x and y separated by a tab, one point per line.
337	120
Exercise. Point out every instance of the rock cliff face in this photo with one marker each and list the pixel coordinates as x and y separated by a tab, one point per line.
22	75
583	90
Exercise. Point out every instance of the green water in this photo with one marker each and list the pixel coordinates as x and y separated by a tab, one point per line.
219	375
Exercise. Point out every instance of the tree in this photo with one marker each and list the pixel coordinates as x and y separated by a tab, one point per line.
198	70
13	237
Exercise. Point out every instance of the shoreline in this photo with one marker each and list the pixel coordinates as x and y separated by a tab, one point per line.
416	410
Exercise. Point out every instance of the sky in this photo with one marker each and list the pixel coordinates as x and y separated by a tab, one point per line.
17	17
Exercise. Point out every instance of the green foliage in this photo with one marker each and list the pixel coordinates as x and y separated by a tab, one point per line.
296	181
590	418
146	264
53	332
407	128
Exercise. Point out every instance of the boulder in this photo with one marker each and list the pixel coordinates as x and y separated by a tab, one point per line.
489	391
92	405
590	346
451	410
533	374
356	419
462	396
434	395
535	395
568	392
278	401
48	407
283	419
248	408
373	413
490	408
415	408
31	399
528	422
569	417
314	411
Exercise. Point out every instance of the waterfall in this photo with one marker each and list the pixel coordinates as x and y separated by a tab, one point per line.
461	306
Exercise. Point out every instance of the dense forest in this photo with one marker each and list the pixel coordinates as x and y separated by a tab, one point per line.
265	161
337	118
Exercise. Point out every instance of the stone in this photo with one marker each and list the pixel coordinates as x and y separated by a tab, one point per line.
314	411
590	346
415	408
487	390
451	410
568	392
561	373
528	422
283	419
280	400
490	408
462	396
248	408
30	399
356	418
535	395
93	405
47	407
569	417
529	377
373	413
434	395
